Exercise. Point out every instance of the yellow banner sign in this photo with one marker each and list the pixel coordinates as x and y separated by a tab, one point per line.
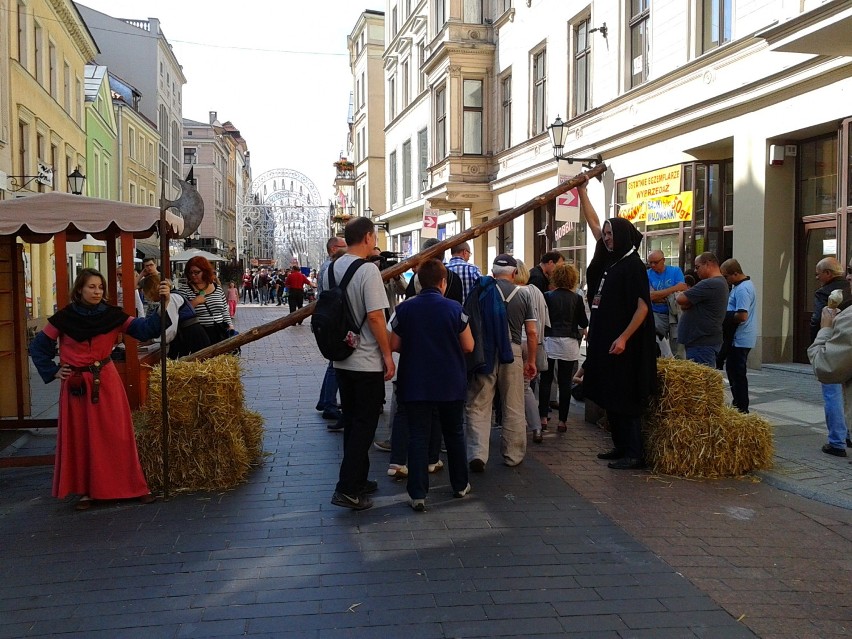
660	210
654	184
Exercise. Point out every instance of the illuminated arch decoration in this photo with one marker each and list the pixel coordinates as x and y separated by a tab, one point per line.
283	219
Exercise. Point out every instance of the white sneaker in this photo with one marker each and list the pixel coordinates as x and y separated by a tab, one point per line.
418	505
438	465
462	493
398	471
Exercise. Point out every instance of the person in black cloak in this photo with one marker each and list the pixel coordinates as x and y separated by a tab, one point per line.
621	363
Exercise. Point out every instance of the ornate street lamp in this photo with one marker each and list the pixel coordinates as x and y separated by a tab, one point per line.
76	180
558	135
385	226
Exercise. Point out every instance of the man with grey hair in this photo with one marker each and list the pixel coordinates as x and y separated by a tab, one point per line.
327	403
666	281
469	274
829	273
502	308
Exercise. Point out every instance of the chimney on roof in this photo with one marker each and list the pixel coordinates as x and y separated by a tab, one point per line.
213	117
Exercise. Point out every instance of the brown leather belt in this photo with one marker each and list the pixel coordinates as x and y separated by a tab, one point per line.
95	370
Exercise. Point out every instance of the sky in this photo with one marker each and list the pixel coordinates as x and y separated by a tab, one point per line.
277	69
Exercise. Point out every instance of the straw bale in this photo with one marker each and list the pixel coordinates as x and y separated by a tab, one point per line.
689	431
214	441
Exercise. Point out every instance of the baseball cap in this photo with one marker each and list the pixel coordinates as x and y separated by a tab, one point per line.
505	259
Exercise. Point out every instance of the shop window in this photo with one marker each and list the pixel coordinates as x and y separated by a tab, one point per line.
506	237
818	177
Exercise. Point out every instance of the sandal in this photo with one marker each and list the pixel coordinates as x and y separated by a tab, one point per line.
84	503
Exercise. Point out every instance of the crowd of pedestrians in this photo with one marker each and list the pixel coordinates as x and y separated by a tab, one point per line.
465	352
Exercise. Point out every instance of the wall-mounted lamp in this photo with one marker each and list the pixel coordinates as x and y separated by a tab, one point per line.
424	184
603	29
76	180
385	226
558	134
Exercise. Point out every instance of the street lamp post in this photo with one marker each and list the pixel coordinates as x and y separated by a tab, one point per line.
385	226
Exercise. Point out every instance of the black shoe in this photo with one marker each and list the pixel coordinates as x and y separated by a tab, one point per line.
359	502
336	427
627	463
537	438
848	443
611	454
369	486
831	450
331	413
477	465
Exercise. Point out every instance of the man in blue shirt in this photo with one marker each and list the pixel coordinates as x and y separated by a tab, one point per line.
742	303
468	273
665	280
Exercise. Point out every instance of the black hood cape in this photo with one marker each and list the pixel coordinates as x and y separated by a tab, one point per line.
82	323
625	237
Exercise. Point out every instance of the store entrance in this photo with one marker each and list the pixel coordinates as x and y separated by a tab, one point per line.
817	240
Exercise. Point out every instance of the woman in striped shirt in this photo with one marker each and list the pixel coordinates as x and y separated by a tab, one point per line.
205	295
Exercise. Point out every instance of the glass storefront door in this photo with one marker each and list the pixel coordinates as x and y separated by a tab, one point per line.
820	240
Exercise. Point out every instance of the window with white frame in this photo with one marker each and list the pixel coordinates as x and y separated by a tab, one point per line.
406	83
582	67
440	123
422	156
506	4
190	155
440	14
472	118
391	97
392	177
506	110
39	54
66	87
539	92
406	169
421	75
472	11
23	41
640	15
52	78
715	23
363	88
394	22
131	142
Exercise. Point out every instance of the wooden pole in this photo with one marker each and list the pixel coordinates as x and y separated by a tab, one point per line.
164	396
228	345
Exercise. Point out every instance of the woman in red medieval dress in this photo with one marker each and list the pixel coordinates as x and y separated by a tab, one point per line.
96	454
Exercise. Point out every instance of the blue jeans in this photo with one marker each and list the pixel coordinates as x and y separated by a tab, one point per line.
832	396
328	391
421	424
736	368
702	355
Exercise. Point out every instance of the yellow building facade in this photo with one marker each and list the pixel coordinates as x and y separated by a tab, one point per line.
44	117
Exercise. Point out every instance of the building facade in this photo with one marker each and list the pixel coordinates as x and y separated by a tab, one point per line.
137	142
206	151
367	122
42	121
138	51
725	126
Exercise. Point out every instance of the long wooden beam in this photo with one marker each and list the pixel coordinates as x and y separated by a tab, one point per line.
228	345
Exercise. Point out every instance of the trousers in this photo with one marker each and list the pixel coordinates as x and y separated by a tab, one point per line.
361	397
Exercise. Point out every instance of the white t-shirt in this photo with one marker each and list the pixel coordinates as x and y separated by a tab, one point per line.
365	292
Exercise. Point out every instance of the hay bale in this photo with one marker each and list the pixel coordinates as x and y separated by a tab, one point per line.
689	431
213	440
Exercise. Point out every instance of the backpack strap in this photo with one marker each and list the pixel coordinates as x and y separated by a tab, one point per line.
350	273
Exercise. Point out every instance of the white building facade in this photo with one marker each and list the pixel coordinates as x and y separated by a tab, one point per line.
724	124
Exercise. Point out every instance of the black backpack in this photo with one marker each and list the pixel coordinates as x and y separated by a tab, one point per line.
332	324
